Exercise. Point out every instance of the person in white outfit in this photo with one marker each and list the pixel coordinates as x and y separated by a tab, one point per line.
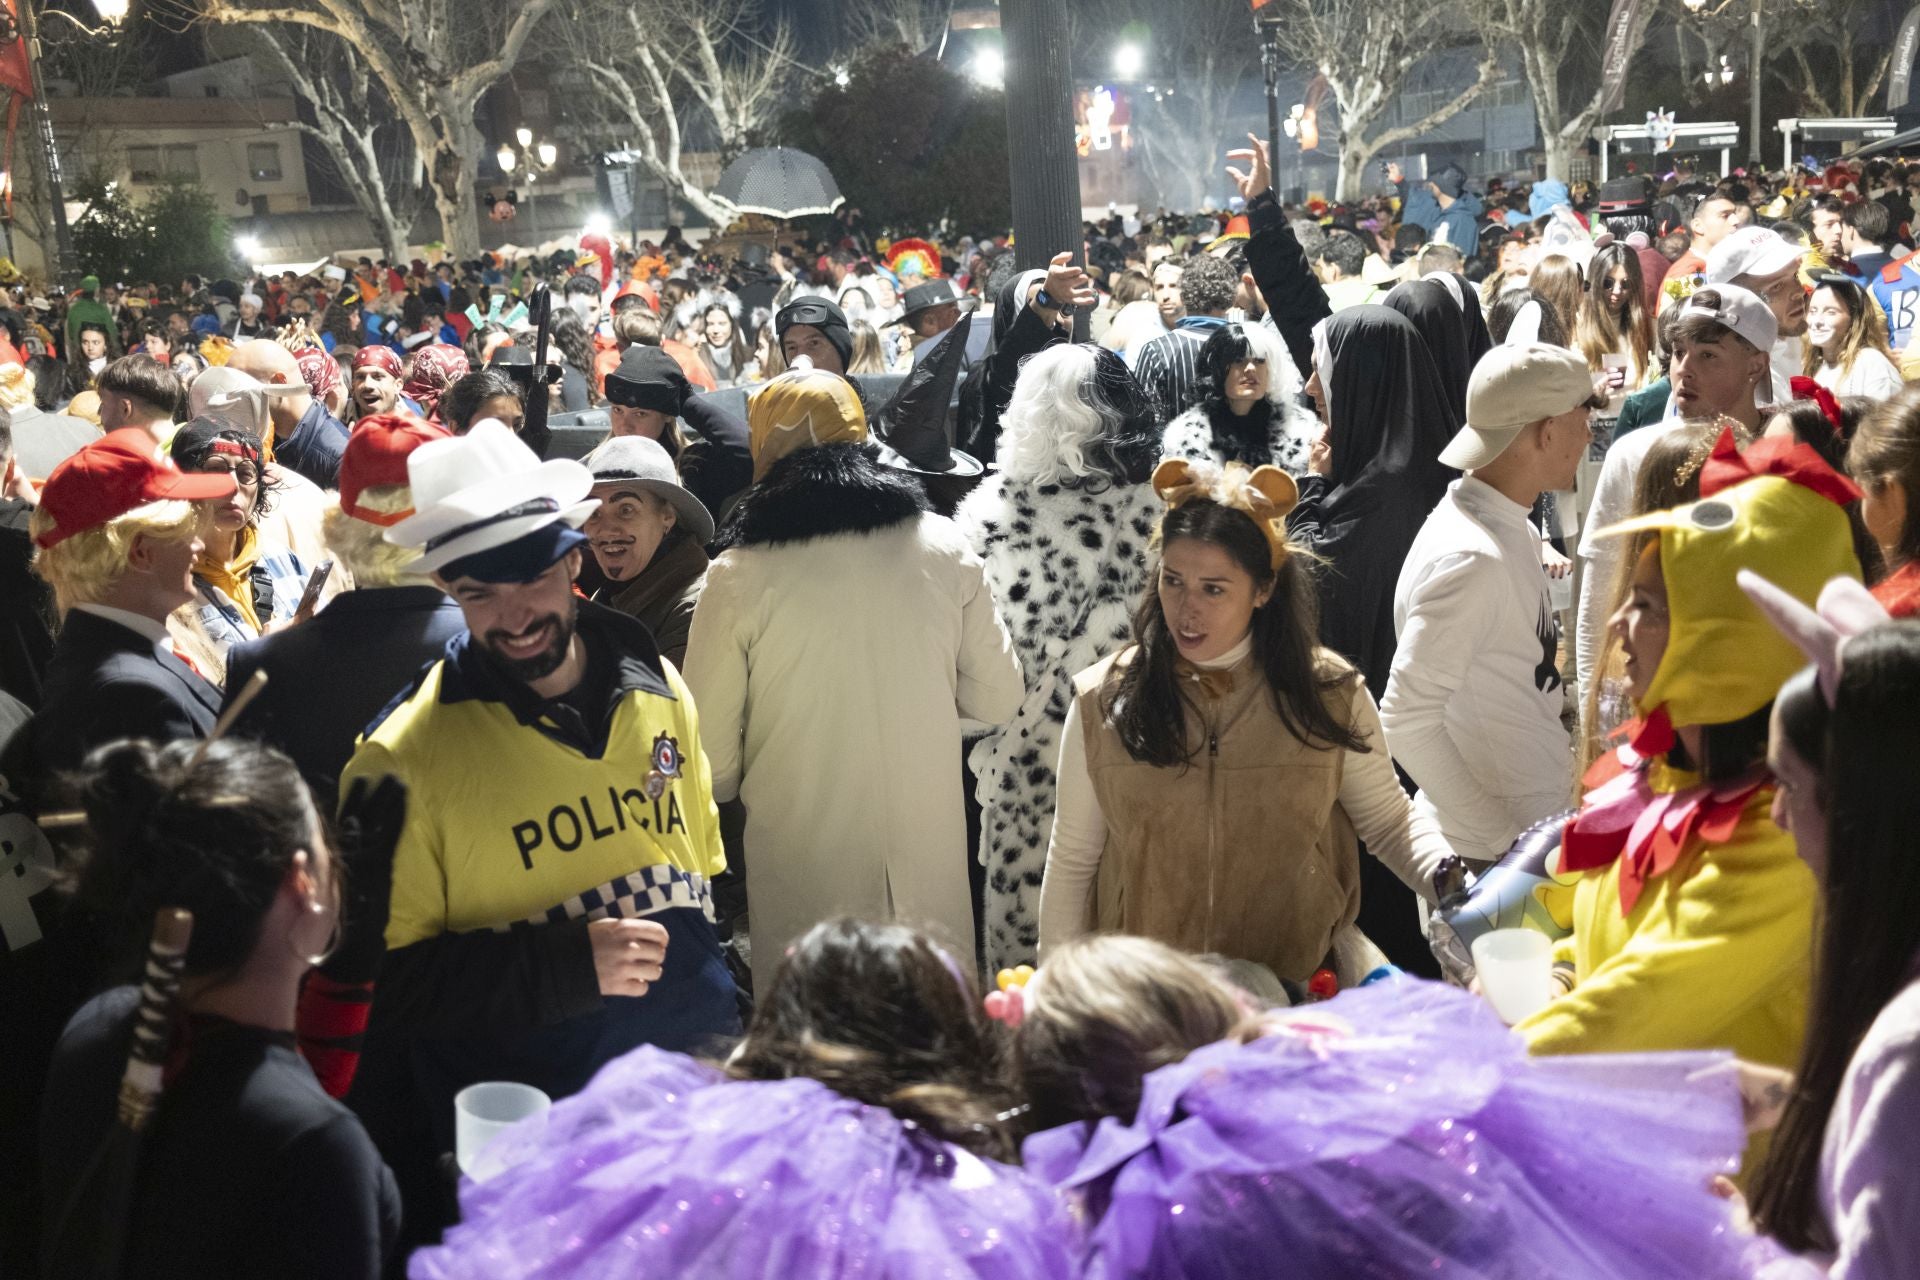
1847	349
843	635
1718	341
1474	699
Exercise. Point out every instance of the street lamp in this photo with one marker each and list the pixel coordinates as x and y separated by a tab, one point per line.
1295	127
989	68
1699	9
535	159
1128	61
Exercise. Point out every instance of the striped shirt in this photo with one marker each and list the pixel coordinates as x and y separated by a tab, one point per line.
1168	368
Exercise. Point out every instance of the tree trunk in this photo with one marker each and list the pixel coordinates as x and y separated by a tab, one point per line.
393	236
452	179
1354	154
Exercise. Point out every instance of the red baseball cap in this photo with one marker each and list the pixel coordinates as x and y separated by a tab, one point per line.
376	454
115	474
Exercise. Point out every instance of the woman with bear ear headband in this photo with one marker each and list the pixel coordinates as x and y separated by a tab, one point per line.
1215	773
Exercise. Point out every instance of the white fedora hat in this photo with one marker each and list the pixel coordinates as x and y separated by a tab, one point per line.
483	490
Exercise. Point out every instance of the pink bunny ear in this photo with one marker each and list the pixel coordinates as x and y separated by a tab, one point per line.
1812	634
1849	608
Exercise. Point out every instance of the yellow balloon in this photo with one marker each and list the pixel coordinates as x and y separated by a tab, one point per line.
1023	974
1003	979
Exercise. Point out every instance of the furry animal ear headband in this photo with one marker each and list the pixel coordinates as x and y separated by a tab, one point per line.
1844	610
1265	495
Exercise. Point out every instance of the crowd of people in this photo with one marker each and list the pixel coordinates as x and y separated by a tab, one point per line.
941	764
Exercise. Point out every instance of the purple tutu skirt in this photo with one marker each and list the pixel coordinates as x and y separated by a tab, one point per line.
662	1167
1401	1131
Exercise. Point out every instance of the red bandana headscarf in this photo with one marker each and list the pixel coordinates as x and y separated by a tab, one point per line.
380	356
435	368
320	371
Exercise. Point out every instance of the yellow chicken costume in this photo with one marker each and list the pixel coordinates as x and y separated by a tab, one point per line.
1693	922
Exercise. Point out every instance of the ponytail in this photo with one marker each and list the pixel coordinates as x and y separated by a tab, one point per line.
216	838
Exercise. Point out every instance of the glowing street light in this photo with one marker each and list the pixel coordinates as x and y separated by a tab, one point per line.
112	12
1128	61
548	154
248	248
989	68
507	160
524	136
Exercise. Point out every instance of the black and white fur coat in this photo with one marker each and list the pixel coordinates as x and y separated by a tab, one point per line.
1290	433
1066	567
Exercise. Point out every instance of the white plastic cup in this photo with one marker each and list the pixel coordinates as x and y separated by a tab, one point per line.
1515	967
482	1112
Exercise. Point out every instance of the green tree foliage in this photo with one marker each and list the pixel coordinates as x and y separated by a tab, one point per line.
178	232
911	143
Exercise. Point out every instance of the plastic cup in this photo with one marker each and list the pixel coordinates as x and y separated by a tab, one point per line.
481	1113
1515	967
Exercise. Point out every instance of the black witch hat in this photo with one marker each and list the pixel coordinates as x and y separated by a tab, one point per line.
914	428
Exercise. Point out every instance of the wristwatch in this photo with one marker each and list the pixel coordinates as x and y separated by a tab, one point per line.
1048	302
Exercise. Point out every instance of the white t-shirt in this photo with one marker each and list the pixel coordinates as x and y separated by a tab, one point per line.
1873	376
1473	704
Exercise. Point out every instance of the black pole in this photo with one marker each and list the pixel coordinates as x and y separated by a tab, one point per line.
1270	62
1040	145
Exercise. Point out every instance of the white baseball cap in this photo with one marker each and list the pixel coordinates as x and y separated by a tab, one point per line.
1750	251
1740	310
1513	387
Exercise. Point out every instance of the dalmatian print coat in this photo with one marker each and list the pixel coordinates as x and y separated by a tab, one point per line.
1066	567
1290	434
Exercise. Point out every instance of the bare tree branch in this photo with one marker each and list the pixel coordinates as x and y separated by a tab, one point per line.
1367	49
1557	40
349	115
651	72
432	60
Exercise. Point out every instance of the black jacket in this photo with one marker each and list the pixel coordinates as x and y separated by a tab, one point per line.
1018	332
1294	297
26	608
717	462
329	677
107	682
1390	422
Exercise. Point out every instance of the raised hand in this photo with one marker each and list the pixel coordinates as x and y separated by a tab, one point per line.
1257	178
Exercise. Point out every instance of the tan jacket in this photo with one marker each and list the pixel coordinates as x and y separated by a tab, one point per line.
1247	851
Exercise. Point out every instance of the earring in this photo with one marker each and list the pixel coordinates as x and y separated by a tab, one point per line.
316	959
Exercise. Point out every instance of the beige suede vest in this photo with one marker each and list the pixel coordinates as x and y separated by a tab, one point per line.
1245	851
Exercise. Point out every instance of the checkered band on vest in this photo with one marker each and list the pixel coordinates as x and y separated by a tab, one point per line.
646	892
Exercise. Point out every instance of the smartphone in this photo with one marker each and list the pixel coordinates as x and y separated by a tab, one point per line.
311	596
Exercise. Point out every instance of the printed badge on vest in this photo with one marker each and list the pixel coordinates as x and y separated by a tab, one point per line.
666	765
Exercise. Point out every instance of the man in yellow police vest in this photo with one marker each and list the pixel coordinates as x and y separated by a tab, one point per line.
550	907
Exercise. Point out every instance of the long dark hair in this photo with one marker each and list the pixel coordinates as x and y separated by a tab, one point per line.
570	334
216	839
1143	698
878	1013
1245	438
1871	895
